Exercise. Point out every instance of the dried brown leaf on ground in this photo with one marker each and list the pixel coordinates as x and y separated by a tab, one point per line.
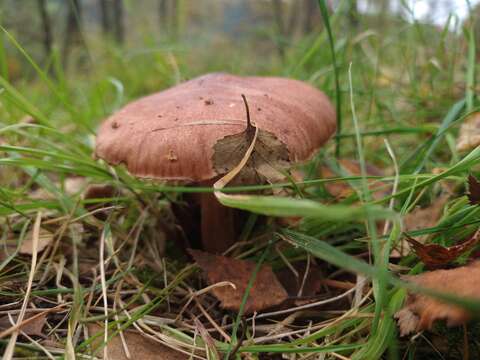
29	327
45	239
473	190
342	189
417	219
139	347
265	292
421	311
435	256
469	135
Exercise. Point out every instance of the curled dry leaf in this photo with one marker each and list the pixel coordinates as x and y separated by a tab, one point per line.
265	292
421	311
139	347
436	256
469	135
45	239
265	163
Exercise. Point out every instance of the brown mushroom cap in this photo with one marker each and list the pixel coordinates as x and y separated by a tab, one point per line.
171	135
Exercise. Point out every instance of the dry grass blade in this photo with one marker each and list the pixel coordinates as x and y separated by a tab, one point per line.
104	290
8	355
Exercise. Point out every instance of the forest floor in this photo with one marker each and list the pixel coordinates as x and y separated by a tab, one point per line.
89	253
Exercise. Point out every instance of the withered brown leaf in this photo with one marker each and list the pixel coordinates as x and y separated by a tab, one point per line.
421	311
469	135
268	158
32	323
45	239
265	292
139	347
473	190
436	256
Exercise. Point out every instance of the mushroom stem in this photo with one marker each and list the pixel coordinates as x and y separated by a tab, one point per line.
217	224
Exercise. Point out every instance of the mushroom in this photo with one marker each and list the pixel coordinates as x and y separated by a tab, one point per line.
195	132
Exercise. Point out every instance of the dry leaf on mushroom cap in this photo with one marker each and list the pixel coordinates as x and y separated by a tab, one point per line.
421	311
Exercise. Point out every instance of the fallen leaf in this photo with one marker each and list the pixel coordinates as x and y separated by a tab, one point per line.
473	190
469	135
265	292
139	347
46	237
421	311
342	189
33	327
436	256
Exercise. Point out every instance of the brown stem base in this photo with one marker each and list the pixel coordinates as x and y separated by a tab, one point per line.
217	224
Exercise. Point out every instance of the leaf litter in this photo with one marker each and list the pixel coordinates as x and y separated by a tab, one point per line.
422	311
134	345
219	268
437	256
469	135
32	324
